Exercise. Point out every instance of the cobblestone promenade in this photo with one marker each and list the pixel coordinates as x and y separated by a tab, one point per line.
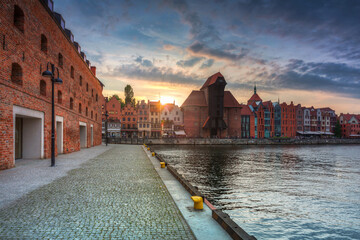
116	195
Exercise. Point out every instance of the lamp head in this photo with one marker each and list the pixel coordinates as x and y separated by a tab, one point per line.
58	80
47	73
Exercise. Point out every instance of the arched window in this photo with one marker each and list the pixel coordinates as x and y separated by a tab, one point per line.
79	107
71	103
19	19
96	97
87	87
43	87
59	97
61	60
86	111
44	46
92	114
80	80
72	72
92	92
16	74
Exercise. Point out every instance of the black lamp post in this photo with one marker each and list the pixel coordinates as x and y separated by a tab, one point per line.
54	80
106	127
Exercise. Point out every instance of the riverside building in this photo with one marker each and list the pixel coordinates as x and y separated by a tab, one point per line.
211	111
31	35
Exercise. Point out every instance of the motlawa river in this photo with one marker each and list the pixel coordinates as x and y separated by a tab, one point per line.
278	192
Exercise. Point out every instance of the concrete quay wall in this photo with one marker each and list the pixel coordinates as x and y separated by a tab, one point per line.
207	141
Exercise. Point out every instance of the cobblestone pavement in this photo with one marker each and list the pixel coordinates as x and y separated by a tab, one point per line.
116	195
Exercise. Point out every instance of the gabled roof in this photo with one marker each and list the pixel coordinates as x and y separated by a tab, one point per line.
196	98
229	100
254	98
211	80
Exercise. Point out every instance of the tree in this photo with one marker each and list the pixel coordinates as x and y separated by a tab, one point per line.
129	94
337	129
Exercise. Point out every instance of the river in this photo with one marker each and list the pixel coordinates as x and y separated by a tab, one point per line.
278	192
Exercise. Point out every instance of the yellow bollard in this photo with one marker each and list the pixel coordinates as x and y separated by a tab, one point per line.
162	164
148	149
198	202
153	154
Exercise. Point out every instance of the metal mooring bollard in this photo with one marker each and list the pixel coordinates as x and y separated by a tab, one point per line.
153	154
162	164
198	202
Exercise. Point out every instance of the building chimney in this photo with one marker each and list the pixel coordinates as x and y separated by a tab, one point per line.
93	69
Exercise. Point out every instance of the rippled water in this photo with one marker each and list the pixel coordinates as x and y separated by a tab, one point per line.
278	192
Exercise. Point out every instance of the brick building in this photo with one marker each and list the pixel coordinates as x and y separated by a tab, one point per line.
113	107
144	124
211	111
129	121
155	114
31	36
350	125
288	120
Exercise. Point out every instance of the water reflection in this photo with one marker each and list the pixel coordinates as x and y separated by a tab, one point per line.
278	192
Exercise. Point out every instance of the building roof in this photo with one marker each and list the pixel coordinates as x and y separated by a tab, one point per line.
230	101
254	98
245	110
196	98
211	80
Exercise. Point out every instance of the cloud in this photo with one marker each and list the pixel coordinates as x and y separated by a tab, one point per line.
156	74
143	62
190	62
198	29
208	63
201	49
168	47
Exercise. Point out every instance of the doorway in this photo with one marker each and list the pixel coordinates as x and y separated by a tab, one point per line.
83	135
18	137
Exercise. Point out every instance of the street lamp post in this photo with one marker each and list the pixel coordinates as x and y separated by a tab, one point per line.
106	127
54	80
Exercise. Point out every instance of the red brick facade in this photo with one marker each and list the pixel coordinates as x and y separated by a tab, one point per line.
30	37
197	114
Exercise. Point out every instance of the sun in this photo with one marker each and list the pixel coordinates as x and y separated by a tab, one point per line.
166	99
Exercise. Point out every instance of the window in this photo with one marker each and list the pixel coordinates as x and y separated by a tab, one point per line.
19	18
72	72
79	107
128	119
16	73
96	97
44	46
61	60
71	103
133	119
87	87
92	92
86	111
124	119
43	87
59	97
92	114
80	80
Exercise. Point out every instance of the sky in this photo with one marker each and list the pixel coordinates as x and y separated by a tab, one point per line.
303	51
